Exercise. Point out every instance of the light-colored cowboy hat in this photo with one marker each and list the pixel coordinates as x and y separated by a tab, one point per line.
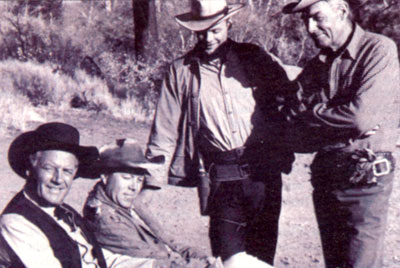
299	6
206	13
125	155
50	136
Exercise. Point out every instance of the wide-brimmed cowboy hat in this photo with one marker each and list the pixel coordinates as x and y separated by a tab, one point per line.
50	136
125	155
301	5
206	13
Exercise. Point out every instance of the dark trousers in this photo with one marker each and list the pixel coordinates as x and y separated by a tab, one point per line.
351	218
244	216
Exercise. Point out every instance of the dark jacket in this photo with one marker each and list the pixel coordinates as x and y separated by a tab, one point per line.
119	231
176	121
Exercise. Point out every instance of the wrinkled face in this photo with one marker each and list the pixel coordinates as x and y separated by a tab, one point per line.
123	187
214	37
54	172
324	23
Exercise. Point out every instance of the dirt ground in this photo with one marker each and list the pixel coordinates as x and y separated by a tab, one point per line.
177	208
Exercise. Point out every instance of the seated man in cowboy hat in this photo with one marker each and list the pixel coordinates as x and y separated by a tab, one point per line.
217	118
115	222
37	229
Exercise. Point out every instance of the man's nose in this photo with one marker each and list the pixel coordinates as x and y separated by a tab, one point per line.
133	186
209	37
57	176
311	25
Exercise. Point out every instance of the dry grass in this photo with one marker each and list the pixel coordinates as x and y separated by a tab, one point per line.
28	88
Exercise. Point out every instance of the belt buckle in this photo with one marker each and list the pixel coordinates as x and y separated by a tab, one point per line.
381	167
244	169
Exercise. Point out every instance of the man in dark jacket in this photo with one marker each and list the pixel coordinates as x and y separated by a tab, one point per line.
37	229
216	120
348	111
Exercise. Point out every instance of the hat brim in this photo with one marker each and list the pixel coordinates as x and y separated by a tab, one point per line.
102	167
296	7
30	142
189	21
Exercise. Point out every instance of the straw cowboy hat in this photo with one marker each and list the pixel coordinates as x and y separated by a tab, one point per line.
126	155
206	13
50	136
299	6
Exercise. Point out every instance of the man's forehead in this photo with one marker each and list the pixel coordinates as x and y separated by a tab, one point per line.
54	155
216	26
314	9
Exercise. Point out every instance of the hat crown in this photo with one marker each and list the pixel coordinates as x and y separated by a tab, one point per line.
59	132
207	8
125	153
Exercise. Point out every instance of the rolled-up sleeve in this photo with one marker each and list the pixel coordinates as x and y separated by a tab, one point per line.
366	94
373	101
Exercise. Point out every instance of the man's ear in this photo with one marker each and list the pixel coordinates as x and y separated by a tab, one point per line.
229	22
104	178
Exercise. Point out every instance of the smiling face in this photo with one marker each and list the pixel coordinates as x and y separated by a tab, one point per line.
214	37
325	22
54	172
123	187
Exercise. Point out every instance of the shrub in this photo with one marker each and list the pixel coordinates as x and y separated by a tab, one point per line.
16	111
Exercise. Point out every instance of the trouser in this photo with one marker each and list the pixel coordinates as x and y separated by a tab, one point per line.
244	215
351	217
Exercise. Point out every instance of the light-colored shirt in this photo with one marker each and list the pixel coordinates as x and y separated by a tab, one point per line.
352	92
228	110
33	247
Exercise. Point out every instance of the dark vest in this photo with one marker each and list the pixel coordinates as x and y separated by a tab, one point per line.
64	247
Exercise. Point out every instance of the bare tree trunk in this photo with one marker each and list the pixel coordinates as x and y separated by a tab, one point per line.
146	34
109	5
251	4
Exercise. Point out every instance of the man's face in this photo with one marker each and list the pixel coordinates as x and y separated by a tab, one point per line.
54	172
325	24
123	187
214	37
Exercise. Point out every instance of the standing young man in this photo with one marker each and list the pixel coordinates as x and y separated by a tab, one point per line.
216	118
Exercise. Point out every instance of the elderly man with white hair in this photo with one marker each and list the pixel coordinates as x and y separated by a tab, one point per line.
349	96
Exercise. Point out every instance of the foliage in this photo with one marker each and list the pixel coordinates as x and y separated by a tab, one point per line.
83	50
29	84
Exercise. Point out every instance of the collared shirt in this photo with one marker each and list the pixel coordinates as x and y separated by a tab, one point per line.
353	92
228	110
33	247
175	132
121	230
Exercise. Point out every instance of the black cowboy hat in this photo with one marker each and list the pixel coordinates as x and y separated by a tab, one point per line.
50	136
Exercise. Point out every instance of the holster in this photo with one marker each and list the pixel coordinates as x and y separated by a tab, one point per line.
204	190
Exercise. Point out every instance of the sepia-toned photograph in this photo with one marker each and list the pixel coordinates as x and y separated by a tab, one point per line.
199	133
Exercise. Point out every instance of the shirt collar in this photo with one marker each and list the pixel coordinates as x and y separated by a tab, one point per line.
48	210
352	47
196	55
355	43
